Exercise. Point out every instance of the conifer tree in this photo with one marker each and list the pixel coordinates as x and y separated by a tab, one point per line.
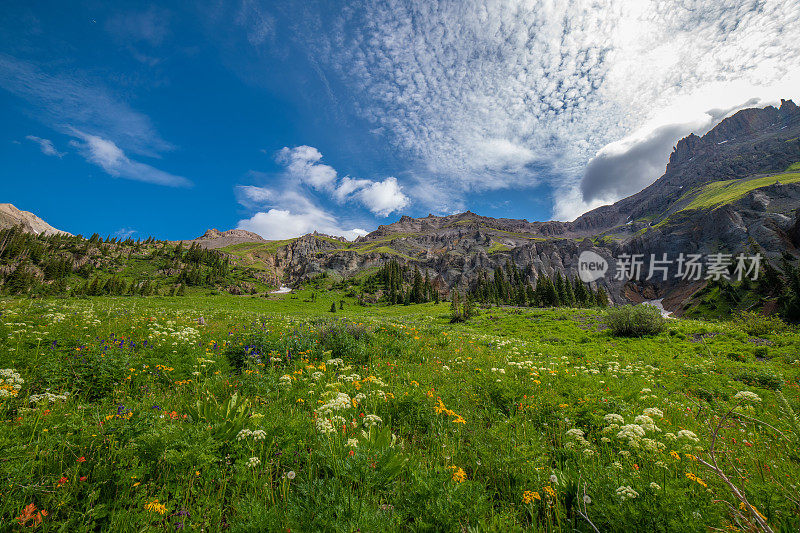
455	306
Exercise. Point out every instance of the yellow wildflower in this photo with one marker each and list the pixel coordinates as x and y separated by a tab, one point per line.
528	497
155	507
459	476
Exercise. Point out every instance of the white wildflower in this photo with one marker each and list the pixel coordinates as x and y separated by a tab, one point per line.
625	492
747	396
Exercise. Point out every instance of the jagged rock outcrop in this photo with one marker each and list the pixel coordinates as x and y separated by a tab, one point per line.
215	239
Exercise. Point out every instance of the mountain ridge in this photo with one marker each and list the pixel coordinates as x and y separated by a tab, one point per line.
11	216
735	189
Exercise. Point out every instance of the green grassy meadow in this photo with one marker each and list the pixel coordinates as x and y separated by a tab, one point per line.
274	414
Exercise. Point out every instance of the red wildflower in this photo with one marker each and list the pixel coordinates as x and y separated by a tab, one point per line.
29	513
81	459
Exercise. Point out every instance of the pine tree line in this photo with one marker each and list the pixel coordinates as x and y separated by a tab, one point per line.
54	264
402	286
509	286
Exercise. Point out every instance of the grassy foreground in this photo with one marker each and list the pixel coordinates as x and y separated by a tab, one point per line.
133	414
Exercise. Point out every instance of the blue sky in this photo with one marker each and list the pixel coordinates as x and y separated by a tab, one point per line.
285	117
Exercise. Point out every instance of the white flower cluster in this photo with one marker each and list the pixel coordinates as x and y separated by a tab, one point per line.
578	435
613	418
324	426
747	396
625	492
285	381
334	362
10	383
652	445
178	335
50	397
351	378
257	435
646	423
372	421
352	443
633	433
339	402
55	317
253	462
654	412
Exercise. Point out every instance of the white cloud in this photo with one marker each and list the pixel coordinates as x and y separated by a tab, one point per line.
71	100
303	166
285	213
124	233
251	193
493	94
283	224
383	197
108	156
46	145
258	24
347	186
302	163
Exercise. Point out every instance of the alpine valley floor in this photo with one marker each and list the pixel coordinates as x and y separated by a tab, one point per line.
211	413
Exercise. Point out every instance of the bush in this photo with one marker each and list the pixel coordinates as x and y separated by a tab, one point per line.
757	325
760	378
635	321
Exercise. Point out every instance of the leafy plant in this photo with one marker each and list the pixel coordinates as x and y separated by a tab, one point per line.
225	419
635	321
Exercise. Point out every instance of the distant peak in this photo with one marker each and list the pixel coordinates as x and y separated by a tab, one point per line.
11	216
212	233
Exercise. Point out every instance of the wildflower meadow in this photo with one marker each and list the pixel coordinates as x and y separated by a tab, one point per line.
251	414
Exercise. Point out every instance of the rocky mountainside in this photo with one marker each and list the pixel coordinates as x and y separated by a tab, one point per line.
751	142
11	216
734	190
736	187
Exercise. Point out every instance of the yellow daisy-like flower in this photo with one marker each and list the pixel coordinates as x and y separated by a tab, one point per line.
155	507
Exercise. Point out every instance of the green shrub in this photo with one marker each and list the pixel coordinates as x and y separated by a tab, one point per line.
757	325
761	352
635	321
760	378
